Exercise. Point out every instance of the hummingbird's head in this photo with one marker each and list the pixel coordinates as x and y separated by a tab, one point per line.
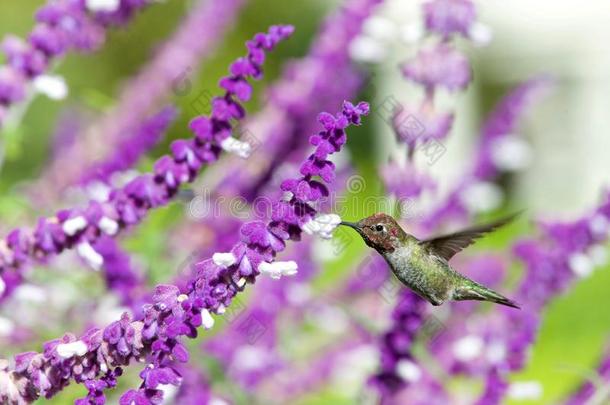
379	231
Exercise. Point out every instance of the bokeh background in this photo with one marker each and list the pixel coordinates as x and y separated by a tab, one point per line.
568	132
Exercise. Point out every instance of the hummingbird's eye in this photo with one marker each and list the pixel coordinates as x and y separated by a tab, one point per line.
379	228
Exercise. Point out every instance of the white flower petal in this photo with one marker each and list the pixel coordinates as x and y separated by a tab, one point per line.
206	319
580	264
68	350
103	5
380	28
240	148
525	390
108	226
322	225
511	153
408	370
72	226
481	197
599	225
480	34
278	269
6	326
51	86
496	352
411	33
468	348
224	259
86	251
367	49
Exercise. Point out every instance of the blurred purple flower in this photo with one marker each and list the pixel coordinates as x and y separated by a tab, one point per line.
128	205
448	17
405	182
317	82
132	147
172	314
396	345
439	66
118	271
171	70
61	26
415	126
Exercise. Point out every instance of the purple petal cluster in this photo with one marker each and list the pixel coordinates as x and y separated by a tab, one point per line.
255	330
170	71
119	273
128	205
420	125
397	343
317	82
449	17
439	66
172	314
61	26
402	186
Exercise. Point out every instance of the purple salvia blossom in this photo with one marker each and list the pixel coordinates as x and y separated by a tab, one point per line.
398	184
434	67
169	71
118	271
317	82
413	125
449	17
439	66
396	344
549	270
195	389
172	315
132	147
494	390
128	205
61	26
254	331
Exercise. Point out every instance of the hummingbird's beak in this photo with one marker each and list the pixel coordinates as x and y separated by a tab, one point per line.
353	225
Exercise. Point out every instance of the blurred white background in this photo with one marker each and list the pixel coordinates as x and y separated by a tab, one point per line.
569	130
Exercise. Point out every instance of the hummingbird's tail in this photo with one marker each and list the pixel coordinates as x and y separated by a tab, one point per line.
475	291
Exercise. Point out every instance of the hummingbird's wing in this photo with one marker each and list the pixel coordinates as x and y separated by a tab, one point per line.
447	246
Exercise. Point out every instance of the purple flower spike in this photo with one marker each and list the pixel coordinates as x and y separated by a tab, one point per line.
128	205
439	66
448	17
171	316
62	25
408	317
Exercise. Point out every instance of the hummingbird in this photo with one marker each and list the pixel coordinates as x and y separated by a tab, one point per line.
423	265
